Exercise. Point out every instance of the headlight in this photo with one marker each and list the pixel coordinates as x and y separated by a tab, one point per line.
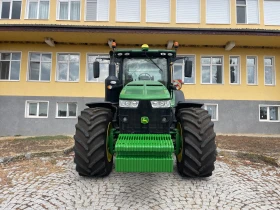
129	103
161	104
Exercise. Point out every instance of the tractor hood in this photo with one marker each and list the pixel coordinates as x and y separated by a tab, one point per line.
145	90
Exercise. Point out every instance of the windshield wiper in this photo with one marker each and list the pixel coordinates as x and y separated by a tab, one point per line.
153	62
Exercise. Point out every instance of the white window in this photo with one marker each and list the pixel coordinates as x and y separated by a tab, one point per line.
128	10
178	70
247	11
39	66
212	70
212	110
66	110
252	71
218	11
68	67
97	10
158	11
10	9
269	71
68	10
104	67
36	109
9	65
269	113
188	11
234	68
37	9
271	12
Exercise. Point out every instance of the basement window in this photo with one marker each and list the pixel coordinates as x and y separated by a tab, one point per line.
212	110
10	9
66	110
36	109
10	66
269	113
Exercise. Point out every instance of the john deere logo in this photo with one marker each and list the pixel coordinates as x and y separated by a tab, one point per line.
144	120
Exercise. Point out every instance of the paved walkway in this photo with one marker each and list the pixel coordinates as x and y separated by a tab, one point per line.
231	187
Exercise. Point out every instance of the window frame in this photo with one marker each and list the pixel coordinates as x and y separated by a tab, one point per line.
87	69
268	113
223	69
69	10
200	12
67	111
230	21
57	67
85	11
257	69
217	110
273	69
194	66
28	66
151	22
9	80
37	18
10	11
239	68
246	15
27	102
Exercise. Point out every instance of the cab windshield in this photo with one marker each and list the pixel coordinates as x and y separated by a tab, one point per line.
139	69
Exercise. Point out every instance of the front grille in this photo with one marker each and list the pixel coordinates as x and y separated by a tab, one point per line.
155	125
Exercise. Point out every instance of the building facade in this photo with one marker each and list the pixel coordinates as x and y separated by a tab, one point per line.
47	48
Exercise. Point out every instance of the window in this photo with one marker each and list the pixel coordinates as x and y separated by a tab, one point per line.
97	10
40	66
68	10
9	66
178	70
234	67
38	9
158	11
188	11
10	9
68	67
128	10
269	113
269	72
212	110
271	12
35	109
247	11
218	11
104	68
66	110
252	72
212	70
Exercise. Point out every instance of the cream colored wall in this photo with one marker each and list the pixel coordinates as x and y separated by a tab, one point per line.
112	20
194	91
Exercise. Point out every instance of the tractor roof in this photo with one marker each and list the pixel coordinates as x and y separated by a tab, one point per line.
124	53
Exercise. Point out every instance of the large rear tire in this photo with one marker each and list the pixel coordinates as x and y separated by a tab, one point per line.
198	150
92	157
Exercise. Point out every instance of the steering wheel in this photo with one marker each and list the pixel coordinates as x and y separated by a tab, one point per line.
145	74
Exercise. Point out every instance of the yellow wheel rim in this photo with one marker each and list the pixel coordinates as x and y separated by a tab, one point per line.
109	155
180	155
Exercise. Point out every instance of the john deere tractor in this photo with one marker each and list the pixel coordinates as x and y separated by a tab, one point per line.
144	120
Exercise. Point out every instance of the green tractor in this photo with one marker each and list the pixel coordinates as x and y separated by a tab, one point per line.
144	120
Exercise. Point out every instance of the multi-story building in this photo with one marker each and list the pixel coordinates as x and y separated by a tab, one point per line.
47	48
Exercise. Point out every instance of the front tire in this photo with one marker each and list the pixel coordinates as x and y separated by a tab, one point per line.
91	142
198	149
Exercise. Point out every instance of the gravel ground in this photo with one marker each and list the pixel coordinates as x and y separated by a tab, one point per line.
48	183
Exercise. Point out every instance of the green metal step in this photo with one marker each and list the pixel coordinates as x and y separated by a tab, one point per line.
144	153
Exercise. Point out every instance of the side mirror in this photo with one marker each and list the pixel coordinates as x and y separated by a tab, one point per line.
96	69
188	69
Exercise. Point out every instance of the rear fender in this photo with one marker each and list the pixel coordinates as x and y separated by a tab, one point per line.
182	105
108	105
